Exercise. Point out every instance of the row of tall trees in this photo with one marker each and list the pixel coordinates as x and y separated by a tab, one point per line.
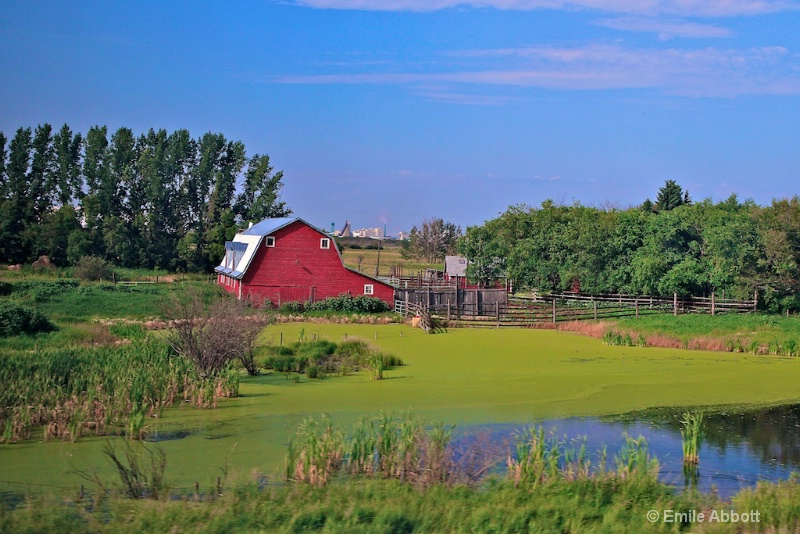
158	199
730	247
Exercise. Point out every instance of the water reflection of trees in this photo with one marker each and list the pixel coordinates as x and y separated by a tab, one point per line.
773	434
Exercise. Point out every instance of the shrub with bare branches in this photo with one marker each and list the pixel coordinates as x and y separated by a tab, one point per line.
213	333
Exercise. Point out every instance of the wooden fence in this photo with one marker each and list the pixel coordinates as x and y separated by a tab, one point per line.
490	310
463	301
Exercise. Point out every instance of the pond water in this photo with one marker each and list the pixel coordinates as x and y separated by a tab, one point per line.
739	447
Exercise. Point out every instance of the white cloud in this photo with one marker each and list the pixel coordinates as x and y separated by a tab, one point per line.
665	28
450	97
684	8
691	72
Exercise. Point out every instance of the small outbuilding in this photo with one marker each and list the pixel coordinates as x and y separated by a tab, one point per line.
287	259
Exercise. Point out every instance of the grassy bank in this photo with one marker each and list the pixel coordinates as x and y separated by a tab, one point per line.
754	333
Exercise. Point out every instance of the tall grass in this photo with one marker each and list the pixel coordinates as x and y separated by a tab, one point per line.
399	447
540	459
71	392
405	449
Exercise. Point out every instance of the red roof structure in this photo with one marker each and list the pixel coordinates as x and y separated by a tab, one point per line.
287	259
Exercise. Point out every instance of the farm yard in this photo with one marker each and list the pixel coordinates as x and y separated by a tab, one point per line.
498	380
473	378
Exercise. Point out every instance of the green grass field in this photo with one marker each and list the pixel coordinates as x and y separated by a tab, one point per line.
388	258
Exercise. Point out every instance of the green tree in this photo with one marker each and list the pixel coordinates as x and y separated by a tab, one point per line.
434	240
671	196
68	178
486	259
15	212
260	195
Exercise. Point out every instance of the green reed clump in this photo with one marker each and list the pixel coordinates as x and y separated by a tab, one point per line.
634	460
71	392
692	436
790	347
400	448
327	357
614	338
537	460
734	345
128	330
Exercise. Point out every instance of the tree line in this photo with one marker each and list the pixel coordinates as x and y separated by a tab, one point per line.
156	200
673	245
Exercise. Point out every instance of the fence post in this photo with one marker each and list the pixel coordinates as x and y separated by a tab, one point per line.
636	303
595	308
675	304
713	304
554	310
448	310
755	300
497	312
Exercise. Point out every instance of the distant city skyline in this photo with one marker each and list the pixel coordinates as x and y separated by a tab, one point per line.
388	112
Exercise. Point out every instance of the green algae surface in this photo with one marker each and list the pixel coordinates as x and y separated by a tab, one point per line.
465	376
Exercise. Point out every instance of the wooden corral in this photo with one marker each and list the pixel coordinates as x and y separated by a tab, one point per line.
458	301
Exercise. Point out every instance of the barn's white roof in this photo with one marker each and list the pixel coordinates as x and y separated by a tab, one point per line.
269	226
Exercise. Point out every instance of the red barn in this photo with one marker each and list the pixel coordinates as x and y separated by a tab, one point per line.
287	259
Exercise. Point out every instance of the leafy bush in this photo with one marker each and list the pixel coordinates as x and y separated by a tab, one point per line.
6	288
286	364
16	319
315	351
93	268
348	303
291	307
40	290
315	371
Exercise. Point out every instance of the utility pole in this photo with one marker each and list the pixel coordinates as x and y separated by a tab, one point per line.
380	244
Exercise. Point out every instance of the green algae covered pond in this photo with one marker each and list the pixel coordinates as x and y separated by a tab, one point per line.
463	377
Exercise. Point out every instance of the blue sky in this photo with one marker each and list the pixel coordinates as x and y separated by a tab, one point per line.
388	112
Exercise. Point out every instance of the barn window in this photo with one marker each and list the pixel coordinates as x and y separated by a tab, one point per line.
270	242
369	289
325	243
